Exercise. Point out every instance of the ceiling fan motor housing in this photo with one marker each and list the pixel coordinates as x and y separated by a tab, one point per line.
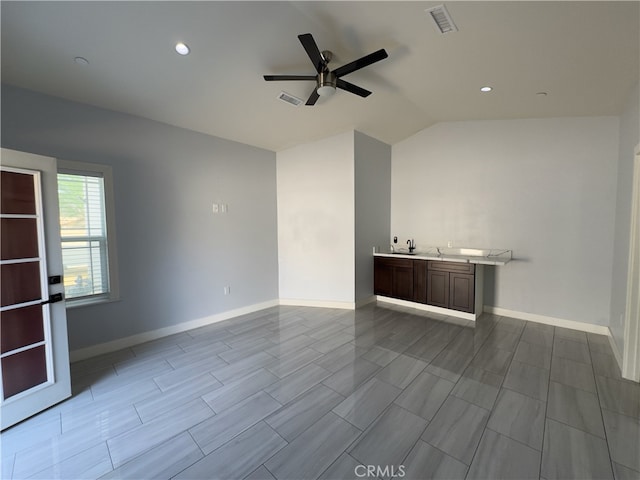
327	55
327	79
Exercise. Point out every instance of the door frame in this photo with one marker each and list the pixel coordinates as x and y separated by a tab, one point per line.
40	398
631	351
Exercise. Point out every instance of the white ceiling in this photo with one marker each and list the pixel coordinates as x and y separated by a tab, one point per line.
585	55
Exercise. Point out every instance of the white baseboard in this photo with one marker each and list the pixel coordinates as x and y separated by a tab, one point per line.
556	322
317	303
615	349
114	345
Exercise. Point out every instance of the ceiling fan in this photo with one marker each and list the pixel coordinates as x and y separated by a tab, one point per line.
327	81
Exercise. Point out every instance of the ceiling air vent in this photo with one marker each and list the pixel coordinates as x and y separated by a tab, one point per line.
442	19
290	99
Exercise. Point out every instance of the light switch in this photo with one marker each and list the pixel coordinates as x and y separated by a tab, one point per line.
216	208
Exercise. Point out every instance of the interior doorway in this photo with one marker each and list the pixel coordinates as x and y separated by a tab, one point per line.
631	353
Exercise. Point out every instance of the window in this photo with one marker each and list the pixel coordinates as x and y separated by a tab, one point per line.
87	232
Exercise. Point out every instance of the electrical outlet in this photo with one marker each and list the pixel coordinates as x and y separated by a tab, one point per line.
450	244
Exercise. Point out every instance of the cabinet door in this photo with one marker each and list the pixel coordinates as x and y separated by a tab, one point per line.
438	288
456	267
420	281
461	292
403	281
382	277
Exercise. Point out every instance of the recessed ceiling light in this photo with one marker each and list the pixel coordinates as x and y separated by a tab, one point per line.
182	48
81	61
486	89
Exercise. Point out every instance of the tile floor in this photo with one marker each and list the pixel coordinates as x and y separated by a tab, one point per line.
306	393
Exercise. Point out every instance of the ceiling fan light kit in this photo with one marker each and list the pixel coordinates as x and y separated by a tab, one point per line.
326	84
328	80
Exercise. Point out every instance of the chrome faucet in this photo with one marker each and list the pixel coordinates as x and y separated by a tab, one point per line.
412	245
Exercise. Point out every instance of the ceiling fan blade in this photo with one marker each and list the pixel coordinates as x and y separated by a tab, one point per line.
361	63
350	87
272	78
309	44
313	98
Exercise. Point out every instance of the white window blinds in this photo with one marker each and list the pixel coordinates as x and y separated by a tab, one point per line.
84	235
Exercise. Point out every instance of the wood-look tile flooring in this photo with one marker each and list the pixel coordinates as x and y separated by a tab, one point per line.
306	393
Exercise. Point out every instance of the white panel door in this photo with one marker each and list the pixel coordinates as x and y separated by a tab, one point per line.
34	359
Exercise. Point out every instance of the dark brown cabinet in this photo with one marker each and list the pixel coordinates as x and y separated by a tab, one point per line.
401	278
438	288
420	281
393	277
382	276
461	292
451	285
402	286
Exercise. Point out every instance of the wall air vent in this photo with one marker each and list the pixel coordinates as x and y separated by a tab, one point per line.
290	99
442	19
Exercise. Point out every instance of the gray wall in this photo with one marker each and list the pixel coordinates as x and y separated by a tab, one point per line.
629	138
175	256
372	206
544	188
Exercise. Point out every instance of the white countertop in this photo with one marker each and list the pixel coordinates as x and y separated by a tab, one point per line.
460	255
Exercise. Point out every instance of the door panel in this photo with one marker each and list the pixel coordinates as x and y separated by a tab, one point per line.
403	282
382	277
420	281
21	327
18	194
34	359
25	349
20	283
438	288
24	370
462	292
19	238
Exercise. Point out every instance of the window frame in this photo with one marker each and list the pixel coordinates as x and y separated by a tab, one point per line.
71	167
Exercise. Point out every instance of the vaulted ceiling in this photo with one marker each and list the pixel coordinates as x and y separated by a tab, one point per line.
583	55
